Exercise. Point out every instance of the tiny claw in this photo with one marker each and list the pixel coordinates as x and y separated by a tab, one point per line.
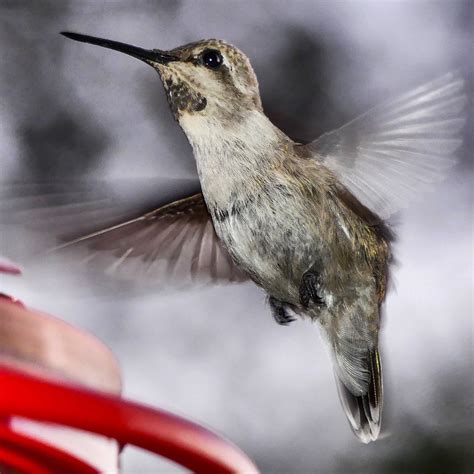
279	312
309	287
286	322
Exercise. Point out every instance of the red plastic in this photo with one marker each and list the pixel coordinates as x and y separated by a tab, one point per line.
19	462
44	457
168	435
11	299
7	267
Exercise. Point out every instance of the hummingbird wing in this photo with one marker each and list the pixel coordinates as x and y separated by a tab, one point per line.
176	240
393	152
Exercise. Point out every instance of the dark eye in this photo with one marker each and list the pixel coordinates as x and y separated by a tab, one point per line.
211	58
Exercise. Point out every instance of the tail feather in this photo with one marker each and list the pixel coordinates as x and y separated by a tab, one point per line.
364	412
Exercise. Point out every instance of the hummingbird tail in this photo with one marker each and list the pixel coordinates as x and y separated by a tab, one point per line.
364	411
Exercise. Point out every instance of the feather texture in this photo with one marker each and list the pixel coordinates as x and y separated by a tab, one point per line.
364	411
392	153
174	242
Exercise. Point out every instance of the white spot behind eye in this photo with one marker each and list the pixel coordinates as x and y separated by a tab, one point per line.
226	62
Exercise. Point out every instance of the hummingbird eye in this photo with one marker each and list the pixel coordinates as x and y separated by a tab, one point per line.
211	58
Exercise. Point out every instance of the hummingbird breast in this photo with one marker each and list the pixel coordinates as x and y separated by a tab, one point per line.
272	237
275	211
279	234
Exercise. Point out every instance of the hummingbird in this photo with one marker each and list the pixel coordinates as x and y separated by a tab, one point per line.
308	223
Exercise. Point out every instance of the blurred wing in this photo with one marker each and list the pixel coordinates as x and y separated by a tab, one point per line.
174	242
56	209
395	151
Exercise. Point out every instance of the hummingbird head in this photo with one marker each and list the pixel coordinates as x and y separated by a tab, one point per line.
209	78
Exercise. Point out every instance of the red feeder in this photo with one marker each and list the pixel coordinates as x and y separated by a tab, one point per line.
61	410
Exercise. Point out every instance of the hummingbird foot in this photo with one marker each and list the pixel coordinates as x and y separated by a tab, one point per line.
309	289
280	311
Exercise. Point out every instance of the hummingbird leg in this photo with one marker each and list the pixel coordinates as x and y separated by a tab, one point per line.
309	289
279	311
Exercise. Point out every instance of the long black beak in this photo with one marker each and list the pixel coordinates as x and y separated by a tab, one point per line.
147	55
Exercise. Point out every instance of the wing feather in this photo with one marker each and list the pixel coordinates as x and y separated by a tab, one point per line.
395	151
174	243
198	252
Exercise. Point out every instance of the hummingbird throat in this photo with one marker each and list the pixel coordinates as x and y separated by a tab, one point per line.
181	97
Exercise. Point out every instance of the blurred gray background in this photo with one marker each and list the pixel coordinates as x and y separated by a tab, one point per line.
73	114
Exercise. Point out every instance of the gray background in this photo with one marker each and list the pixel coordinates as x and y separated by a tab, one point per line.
74	113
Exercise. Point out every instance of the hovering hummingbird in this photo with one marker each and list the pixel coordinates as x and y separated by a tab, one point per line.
307	223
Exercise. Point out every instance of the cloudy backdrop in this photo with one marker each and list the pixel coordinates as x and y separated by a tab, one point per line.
94	125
